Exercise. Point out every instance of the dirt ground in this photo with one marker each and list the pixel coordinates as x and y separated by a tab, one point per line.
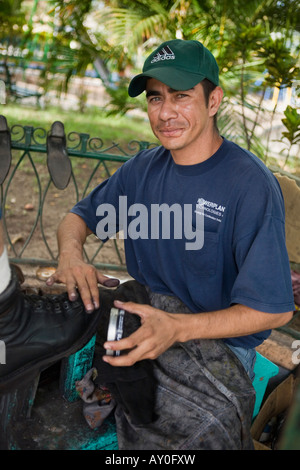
33	212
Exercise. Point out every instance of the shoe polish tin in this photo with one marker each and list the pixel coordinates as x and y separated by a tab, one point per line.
115	328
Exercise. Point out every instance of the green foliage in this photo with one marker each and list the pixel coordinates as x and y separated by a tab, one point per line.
120	102
12	18
282	69
13	23
291	136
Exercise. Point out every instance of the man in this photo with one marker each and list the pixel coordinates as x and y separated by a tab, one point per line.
213	299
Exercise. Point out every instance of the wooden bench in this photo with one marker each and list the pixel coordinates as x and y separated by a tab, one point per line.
16	91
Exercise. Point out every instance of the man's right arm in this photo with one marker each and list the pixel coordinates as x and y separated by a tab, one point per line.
72	270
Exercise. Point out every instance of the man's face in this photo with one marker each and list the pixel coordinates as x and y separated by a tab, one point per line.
179	119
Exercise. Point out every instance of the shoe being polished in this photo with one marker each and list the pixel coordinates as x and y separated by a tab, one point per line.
132	387
39	330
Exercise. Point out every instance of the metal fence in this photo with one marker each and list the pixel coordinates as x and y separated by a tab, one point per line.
33	207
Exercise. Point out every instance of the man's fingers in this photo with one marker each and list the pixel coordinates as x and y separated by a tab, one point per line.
139	309
82	279
107	281
69	282
52	279
134	351
158	331
122	344
88	289
139	345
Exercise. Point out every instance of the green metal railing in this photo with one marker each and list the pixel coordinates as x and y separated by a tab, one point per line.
33	207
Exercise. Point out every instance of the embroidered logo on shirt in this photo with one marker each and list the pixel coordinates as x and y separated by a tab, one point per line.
164	54
210	209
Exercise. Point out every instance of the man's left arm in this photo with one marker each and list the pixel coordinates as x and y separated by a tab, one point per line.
160	330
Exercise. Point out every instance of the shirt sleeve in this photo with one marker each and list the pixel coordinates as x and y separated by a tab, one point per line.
264	278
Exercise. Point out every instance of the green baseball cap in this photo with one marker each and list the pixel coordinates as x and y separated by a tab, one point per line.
178	63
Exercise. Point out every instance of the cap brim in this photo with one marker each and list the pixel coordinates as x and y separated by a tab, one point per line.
170	76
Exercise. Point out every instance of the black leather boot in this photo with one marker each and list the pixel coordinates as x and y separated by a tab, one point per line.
129	291
38	331
133	387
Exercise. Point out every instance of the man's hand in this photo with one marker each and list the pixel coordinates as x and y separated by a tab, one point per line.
158	331
72	270
77	274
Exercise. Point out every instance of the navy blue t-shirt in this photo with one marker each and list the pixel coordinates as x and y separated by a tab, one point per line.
242	257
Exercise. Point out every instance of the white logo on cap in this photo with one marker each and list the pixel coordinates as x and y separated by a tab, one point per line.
164	54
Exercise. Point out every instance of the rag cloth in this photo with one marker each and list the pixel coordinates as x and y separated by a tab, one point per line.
98	402
204	398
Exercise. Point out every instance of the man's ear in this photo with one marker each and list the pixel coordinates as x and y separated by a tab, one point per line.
215	99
